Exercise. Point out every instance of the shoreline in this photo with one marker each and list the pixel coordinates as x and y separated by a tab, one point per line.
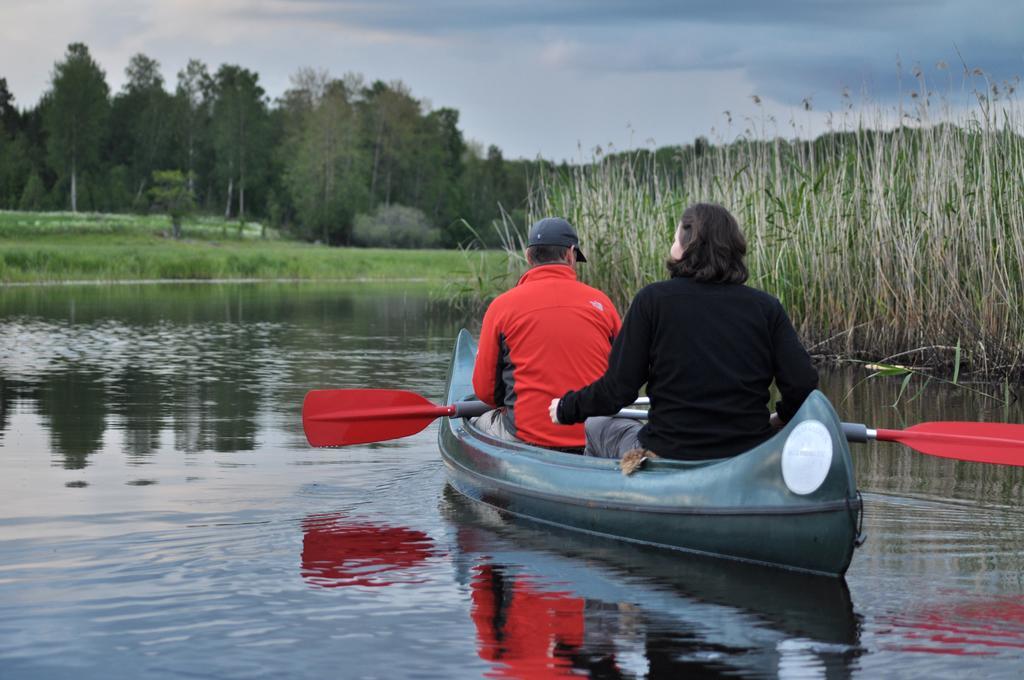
86	256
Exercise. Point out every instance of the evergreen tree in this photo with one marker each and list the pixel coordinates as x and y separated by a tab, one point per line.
9	118
141	115
32	130
34	194
77	111
15	163
485	183
15	168
439	168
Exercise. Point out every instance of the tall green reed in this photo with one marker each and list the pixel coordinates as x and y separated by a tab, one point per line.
901	240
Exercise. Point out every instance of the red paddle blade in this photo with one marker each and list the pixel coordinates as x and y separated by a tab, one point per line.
345	417
997	443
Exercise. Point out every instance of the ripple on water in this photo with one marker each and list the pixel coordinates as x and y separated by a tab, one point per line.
250	555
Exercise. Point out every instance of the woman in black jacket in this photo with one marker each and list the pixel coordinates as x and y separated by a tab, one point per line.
707	346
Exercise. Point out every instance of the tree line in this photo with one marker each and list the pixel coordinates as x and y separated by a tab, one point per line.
335	160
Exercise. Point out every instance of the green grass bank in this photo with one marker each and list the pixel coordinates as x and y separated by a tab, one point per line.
55	247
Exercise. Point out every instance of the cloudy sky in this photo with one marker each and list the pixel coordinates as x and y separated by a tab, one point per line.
552	77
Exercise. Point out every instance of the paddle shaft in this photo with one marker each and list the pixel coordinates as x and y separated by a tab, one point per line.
356	416
854	432
460	409
991	443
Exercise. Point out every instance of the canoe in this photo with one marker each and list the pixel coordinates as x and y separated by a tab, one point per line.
790	502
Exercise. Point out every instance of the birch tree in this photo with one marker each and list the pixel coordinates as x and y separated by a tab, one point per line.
193	97
239	131
324	169
390	117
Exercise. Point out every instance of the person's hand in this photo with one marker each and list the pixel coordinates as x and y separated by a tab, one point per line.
775	421
553	411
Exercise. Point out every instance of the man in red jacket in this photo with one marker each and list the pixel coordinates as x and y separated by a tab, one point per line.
548	334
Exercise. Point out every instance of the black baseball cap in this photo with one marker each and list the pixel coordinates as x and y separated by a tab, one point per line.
555	231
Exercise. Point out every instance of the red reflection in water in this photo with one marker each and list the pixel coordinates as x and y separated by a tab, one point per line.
341	551
531	633
968	628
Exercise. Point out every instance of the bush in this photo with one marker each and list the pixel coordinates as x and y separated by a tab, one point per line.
395	226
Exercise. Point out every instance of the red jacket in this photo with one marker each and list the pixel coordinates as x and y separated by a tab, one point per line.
548	335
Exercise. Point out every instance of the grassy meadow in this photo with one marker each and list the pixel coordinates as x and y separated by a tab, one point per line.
897	243
49	247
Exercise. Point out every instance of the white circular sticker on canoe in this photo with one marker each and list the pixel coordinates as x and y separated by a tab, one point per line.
807	457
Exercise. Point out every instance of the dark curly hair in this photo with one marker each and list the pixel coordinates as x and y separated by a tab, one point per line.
713	246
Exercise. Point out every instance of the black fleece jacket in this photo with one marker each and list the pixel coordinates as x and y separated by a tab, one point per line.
708	353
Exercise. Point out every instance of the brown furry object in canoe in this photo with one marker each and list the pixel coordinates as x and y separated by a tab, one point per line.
633	459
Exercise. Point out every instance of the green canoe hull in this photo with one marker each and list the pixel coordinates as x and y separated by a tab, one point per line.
738	508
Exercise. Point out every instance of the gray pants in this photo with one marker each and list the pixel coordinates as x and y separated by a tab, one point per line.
493	423
610	437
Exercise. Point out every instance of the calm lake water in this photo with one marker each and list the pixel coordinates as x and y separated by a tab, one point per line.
162	516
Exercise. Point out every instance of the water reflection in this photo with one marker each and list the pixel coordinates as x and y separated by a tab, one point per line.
6	404
74	405
970	627
211	364
555	603
208	364
161	549
138	402
338	550
525	630
894	468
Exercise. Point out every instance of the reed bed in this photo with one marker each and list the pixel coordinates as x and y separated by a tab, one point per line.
900	243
